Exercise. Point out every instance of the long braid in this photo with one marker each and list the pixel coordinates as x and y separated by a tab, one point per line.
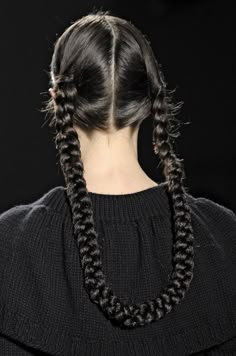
68	145
183	251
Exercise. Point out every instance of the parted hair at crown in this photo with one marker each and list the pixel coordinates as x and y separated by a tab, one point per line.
105	76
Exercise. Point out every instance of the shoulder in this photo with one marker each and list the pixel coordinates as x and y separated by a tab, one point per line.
22	215
212	213
214	228
211	208
30	261
22	223
16	224
17	219
30	242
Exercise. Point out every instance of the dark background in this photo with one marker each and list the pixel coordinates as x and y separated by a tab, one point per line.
193	41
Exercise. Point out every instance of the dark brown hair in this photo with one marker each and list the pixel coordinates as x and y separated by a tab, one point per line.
103	67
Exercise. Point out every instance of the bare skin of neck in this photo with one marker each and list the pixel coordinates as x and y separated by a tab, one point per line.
111	162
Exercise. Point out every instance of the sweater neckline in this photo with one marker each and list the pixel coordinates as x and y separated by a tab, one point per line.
131	206
126	195
118	207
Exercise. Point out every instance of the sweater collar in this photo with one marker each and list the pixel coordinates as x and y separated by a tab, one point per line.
118	207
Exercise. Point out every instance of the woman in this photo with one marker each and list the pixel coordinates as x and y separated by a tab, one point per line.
115	263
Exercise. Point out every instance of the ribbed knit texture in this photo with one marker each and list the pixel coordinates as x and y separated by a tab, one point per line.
44	307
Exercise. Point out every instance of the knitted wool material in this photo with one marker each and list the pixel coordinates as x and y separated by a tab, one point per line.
44	307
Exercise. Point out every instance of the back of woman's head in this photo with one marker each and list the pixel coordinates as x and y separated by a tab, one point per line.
106	77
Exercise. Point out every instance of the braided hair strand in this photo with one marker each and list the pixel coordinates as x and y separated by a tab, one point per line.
83	96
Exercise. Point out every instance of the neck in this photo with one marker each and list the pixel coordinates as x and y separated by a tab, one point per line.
110	162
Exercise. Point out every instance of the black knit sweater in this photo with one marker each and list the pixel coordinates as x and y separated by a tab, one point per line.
45	310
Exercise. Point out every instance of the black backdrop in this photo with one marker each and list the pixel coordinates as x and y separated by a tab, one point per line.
193	41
